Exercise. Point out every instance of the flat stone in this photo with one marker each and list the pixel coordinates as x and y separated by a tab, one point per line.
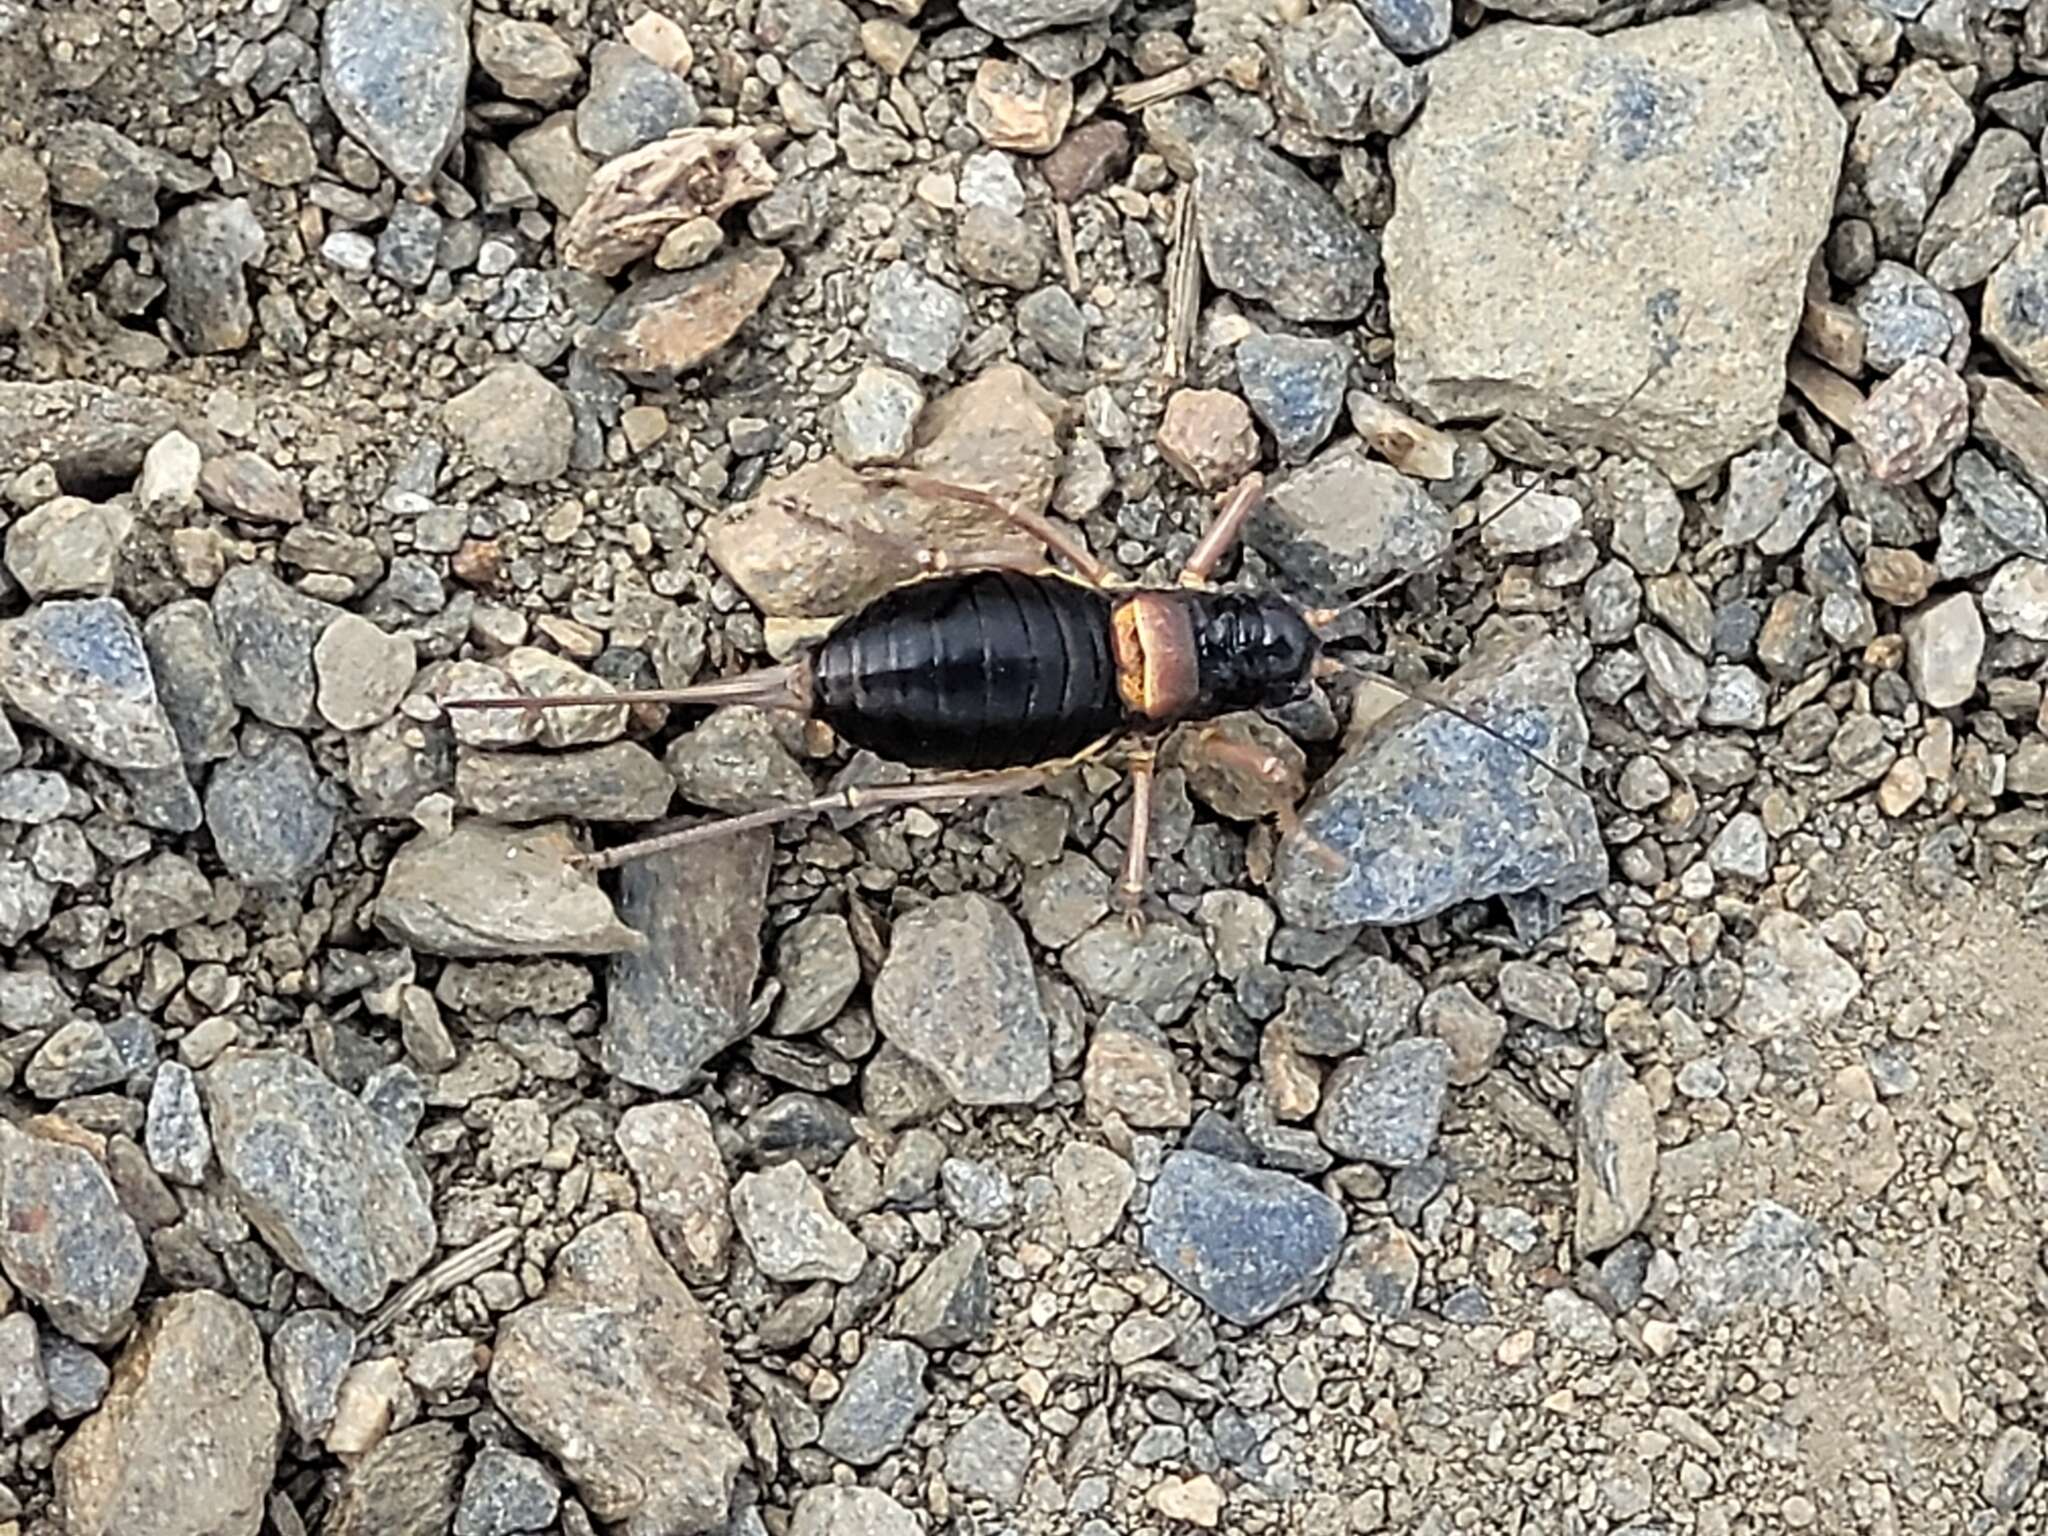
1378	1273
958	994
621	782
782	1217
515	423
1332	72
65	1241
24	1392
1246	1242
2012	298
363	671
1158	971
77	668
1492	819
528	60
1346	521
248	486
1135	1078
873	421
395	73
318	1175
1902	150
986	1458
1095	1188
617	1372
681	1176
191	666
533	903
136	1465
1295	385
1532	129
1385	1108
87	433
78	1058
1013	19
673	1005
1615	1130
309	1355
669	323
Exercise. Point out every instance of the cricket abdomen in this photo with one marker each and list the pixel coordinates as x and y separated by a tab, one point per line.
980	670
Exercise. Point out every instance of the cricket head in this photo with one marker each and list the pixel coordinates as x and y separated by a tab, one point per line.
1252	650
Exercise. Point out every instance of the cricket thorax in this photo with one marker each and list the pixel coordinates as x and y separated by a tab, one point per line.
1158	675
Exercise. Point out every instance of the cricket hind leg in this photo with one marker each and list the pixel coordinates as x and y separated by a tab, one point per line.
858	797
1056	539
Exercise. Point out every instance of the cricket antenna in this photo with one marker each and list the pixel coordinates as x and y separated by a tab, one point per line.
1429	700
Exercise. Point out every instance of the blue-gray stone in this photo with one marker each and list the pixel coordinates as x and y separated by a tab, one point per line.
395	72
1385	1108
882	1399
1430	810
77	668
271	813
1247	1242
631	101
1411	28
1271	233
1295	385
506	1494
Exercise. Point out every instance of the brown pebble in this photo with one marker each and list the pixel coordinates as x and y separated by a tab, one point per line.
478	562
1087	158
1208	437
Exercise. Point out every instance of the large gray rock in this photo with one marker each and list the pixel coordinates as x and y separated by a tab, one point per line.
78	669
1428	811
959	995
65	1241
318	1175
676	1003
617	1371
1248	1242
485	891
1655	194
186	1442
394	72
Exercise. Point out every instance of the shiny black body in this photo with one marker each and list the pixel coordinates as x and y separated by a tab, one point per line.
1000	669
986	669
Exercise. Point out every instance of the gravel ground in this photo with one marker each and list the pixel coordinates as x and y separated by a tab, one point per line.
1610	1102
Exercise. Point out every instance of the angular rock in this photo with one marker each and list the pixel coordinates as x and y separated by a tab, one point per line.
191	666
1944	646
1913	421
1532	129
404	1486
1774	1261
31	264
269	632
1902	150
986	1458
668	324
617	1371
2012	317
1426	811
271	814
1095	1187
137	1464
1295	384
395	72
914	321
87	433
318	1175
1135	1078
873	421
881	1401
78	669
683	1188
1615	1130
835	1511
1792	979
506	1494
1270	233
515	423
631	101
1246	1242
950	1302
67	546
529	60
79	1058
363	672
24	1391
1385	1108
637	201
1012	19
203	248
534	902
1331	71
959	995
794	1237
621	781
683	997
1346	521
65	1240
309	1356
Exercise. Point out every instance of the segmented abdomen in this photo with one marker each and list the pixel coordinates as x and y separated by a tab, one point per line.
985	669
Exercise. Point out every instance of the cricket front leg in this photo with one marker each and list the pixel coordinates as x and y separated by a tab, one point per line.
1224	532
